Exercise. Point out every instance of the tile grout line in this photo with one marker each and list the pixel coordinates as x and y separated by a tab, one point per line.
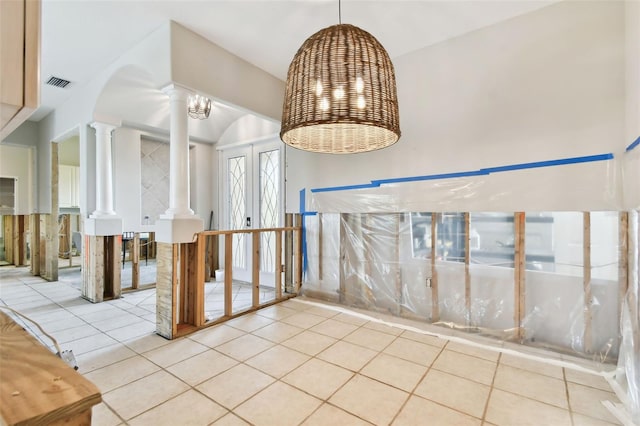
493	381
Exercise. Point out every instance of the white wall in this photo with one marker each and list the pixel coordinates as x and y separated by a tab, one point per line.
17	162
542	86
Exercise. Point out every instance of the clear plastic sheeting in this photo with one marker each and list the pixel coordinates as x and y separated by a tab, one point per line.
628	372
458	270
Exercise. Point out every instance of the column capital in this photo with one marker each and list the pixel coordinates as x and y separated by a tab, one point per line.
177	92
103	127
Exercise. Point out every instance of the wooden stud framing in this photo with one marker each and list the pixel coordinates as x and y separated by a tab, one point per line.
278	265
135	262
320	260
175	250
398	278
297	254
467	275
228	275
435	306
34	226
519	274
255	270
342	253
200	263
288	254
587	282
623	256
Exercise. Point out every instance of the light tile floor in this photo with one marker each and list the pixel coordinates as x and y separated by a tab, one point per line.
297	363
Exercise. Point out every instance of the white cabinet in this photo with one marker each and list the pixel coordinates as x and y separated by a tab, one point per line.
69	186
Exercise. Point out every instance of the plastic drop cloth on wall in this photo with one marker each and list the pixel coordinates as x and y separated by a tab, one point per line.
389	262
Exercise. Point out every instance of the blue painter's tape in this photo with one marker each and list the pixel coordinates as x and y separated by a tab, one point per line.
309	213
633	144
303	204
346	188
429	177
563	161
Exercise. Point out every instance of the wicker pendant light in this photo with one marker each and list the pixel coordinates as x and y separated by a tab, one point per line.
340	95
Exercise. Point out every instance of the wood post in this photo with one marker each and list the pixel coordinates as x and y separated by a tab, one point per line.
278	265
623	256
288	254
398	277
135	262
255	273
199	280
298	254
519	268
34	226
587	282
467	275
435	307
320	271
228	275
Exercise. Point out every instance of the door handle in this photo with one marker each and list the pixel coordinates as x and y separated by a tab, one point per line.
248	222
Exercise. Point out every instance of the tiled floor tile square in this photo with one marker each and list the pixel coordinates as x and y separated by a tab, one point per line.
140	328
75	333
88	344
347	355
330	415
535	386
249	322
319	378
101	415
178	350
201	367
529	412
244	347
322	311
278	332
303	320
467	366
235	385
532	365
370	400
102	357
413	351
371	339
333	328
146	343
216	335
487	354
230	420
189	408
454	392
121	373
394	331
424	338
350	319
586	379
582	420
149	392
394	371
277	361
277	312
279	404
309	342
121	320
417	410
588	401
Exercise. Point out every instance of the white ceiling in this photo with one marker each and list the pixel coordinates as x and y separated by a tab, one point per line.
79	38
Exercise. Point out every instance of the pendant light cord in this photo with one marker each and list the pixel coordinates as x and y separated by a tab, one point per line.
340	12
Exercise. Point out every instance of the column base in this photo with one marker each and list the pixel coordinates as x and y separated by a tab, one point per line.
103	226
178	230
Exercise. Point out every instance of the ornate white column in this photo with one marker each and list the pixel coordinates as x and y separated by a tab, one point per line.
104	171
179	191
178	224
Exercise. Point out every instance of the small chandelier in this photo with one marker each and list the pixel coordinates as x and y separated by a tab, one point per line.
199	107
340	94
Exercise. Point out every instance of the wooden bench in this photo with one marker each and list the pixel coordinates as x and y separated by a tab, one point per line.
36	386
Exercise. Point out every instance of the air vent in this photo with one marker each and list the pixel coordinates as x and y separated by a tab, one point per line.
58	82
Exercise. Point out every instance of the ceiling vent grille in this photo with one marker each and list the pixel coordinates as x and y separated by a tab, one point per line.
58	82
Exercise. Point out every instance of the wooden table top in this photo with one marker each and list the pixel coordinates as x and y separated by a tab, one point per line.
36	386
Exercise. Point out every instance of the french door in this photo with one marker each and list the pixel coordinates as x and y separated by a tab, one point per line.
253	198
